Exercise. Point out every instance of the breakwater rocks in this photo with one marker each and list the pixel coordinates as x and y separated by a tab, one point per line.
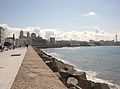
70	77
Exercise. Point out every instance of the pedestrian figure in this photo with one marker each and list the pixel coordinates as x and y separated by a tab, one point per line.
27	45
1	48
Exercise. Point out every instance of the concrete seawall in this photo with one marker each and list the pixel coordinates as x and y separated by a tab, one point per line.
35	74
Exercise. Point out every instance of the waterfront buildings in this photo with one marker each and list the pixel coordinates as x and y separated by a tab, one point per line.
33	35
9	39
23	40
30	39
2	36
37	40
52	40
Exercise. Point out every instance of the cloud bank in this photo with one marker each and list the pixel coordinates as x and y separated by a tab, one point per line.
95	34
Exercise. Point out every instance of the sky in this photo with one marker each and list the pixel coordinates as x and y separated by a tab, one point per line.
66	16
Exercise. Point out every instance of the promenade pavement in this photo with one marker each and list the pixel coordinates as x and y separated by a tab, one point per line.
9	66
35	74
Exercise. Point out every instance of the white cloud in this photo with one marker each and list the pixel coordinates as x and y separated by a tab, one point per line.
95	34
90	14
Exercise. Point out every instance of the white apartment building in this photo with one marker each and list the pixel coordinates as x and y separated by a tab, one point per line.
2	36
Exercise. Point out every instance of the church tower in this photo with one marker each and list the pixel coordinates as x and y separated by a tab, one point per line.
28	35
116	37
21	34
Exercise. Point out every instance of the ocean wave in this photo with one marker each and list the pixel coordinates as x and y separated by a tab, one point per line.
54	54
70	48
91	75
58	57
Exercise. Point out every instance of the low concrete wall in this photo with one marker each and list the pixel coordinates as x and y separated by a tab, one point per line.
35	74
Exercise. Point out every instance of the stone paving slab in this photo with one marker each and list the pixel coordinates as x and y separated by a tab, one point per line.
9	66
35	74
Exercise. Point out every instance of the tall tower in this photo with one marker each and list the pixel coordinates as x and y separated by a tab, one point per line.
28	34
13	36
2	35
116	37
21	34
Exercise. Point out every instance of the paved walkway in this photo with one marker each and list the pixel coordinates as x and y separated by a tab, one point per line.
9	66
35	74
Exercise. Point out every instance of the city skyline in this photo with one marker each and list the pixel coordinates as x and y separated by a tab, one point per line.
62	35
68	17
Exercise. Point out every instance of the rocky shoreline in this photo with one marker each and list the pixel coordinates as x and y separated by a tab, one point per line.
70	77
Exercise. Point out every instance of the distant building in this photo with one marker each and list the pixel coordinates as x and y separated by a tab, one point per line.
52	40
28	35
21	34
18	42
116	37
9	39
22	42
91	41
9	42
2	35
33	35
23	39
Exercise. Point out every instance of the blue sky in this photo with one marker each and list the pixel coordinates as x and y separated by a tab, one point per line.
65	15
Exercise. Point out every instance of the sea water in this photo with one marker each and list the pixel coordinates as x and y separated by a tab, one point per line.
102	64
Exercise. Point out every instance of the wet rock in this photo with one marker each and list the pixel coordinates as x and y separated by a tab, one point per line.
72	80
80	74
53	66
71	86
70	68
84	84
57	74
60	64
64	76
65	67
100	86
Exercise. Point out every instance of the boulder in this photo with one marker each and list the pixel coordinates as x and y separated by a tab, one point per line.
72	86
72	80
57	74
84	84
60	64
65	67
100	86
70	68
53	66
80	74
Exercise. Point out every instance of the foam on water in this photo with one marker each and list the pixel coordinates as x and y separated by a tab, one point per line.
57	56
91	75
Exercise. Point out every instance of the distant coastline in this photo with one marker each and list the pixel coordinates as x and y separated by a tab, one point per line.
57	46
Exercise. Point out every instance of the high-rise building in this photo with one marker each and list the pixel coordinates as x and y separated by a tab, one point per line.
2	35
52	40
28	35
116	37
21	34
